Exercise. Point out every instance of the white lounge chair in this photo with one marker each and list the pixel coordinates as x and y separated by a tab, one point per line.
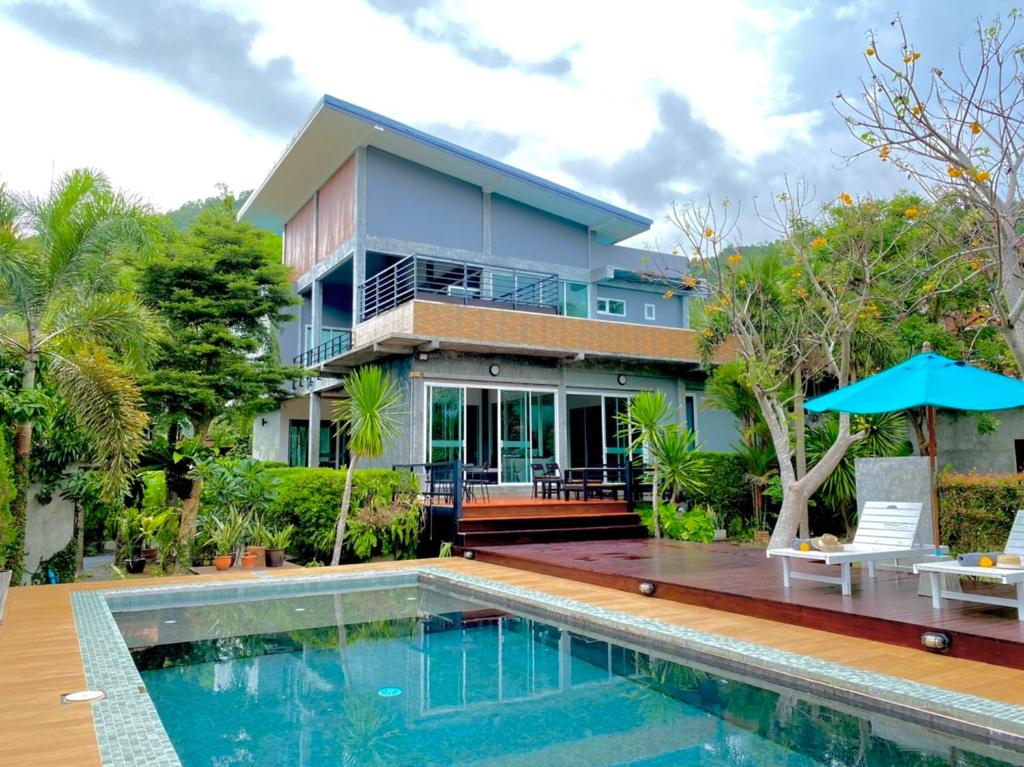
1014	545
887	531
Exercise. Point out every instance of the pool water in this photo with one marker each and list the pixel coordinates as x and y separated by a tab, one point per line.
413	676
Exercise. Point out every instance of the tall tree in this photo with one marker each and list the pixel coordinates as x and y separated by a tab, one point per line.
960	136
646	417
369	416
222	290
815	306
64	317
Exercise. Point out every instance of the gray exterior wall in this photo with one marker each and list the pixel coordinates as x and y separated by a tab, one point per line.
521	232
668	312
962	448
407	201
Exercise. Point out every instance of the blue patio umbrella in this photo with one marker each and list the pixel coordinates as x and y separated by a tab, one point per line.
926	380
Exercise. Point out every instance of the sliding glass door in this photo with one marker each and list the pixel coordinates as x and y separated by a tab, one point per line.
517	427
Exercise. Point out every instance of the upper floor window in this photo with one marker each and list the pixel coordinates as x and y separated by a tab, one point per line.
611	306
648	311
574	300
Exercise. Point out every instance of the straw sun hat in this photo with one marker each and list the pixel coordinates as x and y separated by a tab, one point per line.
827	542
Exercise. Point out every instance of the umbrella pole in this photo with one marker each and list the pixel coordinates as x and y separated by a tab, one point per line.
933	461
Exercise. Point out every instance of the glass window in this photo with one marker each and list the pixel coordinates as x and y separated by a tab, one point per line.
648	311
326	334
574	300
542	427
298	444
691	413
445	425
612	306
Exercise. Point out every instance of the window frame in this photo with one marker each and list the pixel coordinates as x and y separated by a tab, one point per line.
650	312
608	305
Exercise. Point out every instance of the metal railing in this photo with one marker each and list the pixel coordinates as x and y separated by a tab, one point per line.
441	486
460	282
340	343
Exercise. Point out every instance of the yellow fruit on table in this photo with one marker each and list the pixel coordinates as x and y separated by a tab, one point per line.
986	562
805	547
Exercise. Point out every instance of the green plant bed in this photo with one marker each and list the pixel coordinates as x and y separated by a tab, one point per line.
726	486
63	563
310	499
977	510
693	525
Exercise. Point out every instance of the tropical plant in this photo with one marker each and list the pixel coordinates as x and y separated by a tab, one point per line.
643	423
680	461
280	539
760	466
369	417
129	532
65	318
155	527
885	436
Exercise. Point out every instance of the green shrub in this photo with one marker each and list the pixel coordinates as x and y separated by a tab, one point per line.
310	499
976	510
726	488
154	494
64	565
693	525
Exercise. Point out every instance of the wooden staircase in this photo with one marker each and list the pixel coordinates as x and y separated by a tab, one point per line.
509	521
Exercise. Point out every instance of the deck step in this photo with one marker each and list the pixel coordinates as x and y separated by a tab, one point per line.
552	535
509	508
546	521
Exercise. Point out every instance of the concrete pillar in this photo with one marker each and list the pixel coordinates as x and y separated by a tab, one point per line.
486	232
359	256
316	314
313	448
562	427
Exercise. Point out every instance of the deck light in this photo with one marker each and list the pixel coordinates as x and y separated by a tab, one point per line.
468	554
647	589
82	696
933	640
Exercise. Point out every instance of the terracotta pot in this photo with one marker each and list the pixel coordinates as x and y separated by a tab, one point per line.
135	565
275	557
149	554
762	537
234	557
223	561
260	551
249	559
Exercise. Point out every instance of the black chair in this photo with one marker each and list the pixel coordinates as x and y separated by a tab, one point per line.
477	482
548	478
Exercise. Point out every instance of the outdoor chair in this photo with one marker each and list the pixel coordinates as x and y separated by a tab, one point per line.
547	479
887	531
1014	545
477	480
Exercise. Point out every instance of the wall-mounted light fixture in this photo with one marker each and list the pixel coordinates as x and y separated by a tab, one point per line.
494	370
423	356
933	640
621	379
264	422
647	589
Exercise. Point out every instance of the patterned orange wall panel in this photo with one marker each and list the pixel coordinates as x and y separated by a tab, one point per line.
336	214
505	328
298	240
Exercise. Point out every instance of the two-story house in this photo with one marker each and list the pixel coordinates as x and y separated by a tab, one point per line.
501	301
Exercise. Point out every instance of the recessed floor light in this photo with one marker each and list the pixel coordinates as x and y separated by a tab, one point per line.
300	609
83	696
170	622
389	692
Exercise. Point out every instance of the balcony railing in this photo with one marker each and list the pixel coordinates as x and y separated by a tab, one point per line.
459	282
340	343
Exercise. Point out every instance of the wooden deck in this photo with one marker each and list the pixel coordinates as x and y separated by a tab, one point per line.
40	658
741	579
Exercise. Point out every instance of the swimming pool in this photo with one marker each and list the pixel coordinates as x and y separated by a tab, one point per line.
431	669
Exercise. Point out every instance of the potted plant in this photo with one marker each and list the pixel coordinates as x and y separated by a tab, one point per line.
152	527
718	523
130	536
258	535
276	544
223	539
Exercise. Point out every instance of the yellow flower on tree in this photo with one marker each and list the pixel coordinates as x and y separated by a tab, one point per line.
975	128
690	282
916	110
928	287
667	294
981	176
742	282
911	213
869	52
975	264
709	232
735	258
708	333
845	199
912	56
954	172
818	242
883	153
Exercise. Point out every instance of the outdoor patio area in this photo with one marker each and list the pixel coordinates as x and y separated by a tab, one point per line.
740	579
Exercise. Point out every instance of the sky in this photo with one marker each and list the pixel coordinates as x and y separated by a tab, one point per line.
638	103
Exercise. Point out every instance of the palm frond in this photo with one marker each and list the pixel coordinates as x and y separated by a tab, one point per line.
370	415
644	418
108	409
680	461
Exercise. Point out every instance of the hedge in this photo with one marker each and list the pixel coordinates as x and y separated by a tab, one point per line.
976	511
726	488
311	498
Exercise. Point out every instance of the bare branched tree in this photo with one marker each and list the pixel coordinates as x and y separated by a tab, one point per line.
959	136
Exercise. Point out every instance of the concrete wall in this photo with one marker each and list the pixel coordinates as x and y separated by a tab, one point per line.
906	479
48	528
519	231
270	441
961	447
407	201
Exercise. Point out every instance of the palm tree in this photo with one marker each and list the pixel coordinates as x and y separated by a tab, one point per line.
64	318
760	466
680	461
370	418
643	422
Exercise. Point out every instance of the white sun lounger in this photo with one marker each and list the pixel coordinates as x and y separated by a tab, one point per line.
887	531
1014	545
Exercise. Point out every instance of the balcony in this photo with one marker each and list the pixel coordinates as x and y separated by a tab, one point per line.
457	282
334	347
